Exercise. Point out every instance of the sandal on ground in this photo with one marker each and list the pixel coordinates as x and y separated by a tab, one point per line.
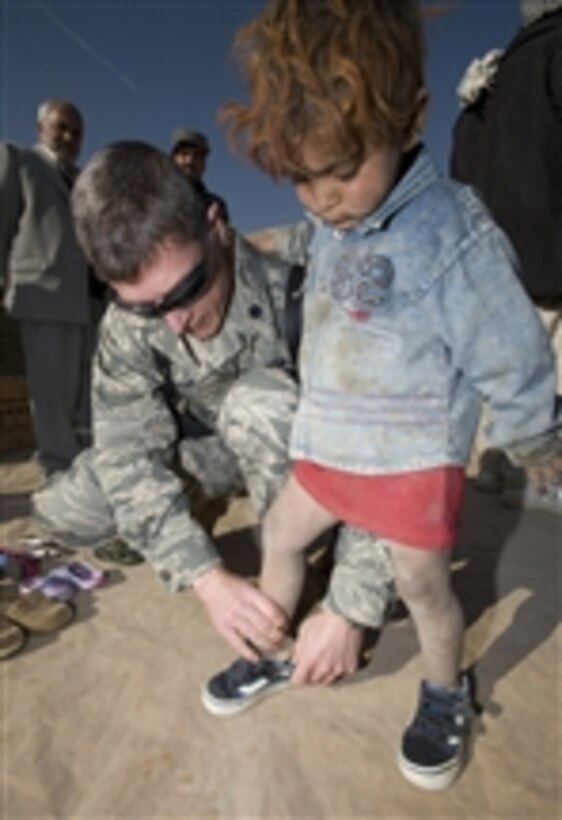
18	565
117	552
12	638
8	590
80	573
37	613
64	581
52	586
38	547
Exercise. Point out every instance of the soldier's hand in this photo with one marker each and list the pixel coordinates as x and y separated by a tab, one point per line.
327	648
240	612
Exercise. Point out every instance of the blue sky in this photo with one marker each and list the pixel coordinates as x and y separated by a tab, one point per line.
139	69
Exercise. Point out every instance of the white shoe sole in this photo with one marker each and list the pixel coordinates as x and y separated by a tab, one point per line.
433	779
226	708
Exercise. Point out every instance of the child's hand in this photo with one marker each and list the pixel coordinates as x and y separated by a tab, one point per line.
549	472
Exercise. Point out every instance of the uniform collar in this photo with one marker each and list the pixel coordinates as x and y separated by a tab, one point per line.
246	296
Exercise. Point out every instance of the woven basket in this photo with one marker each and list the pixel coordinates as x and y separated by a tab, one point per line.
16	428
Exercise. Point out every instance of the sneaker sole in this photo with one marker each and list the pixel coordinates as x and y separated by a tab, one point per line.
226	708
430	779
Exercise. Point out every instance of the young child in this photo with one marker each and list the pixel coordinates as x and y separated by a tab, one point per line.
412	317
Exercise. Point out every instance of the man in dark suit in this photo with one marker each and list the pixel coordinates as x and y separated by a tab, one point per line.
44	278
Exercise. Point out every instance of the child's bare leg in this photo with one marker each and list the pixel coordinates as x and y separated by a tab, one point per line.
423	581
292	522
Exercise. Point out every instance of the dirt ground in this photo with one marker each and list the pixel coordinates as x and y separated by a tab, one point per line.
103	719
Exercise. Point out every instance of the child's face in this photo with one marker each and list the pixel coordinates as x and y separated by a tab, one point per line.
343	193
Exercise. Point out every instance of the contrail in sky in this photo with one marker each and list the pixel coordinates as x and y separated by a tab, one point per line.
85	46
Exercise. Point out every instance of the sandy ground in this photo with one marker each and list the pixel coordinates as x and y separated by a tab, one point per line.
103	720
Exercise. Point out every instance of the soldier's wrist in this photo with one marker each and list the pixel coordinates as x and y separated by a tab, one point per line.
207	577
329	605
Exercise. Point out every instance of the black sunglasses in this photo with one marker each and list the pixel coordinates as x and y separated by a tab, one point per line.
190	287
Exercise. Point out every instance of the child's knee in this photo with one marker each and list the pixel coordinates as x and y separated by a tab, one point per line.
427	588
413	590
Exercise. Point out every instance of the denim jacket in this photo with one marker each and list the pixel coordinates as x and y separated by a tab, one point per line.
411	320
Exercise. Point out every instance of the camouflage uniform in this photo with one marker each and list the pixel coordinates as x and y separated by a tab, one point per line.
239	385
290	242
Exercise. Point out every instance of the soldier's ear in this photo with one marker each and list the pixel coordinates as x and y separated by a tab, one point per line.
218	228
213	214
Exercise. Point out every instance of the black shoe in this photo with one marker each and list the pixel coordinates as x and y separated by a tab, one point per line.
433	746
243	684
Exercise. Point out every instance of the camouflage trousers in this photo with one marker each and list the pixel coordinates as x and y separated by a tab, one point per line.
248	452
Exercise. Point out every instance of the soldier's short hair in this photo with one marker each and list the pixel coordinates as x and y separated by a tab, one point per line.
127	200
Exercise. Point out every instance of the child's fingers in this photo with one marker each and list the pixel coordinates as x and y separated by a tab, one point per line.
544	474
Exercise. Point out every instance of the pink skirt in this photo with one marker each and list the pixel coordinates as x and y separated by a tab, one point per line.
418	509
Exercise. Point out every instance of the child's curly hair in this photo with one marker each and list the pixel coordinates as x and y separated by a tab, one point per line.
340	74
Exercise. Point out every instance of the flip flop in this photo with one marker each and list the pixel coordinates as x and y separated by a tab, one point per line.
12	638
52	586
117	552
64	581
80	573
38	547
18	565
8	589
37	613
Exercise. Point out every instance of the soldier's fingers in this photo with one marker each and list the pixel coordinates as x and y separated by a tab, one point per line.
313	667
300	675
264	612
259	627
241	646
254	627
306	670
310	676
263	631
259	633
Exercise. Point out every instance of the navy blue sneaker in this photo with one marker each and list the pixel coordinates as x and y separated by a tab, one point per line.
243	684
434	744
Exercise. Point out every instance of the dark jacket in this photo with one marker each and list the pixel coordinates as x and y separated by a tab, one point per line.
508	145
209	198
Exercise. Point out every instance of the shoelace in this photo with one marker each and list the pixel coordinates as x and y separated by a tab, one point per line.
443	717
243	671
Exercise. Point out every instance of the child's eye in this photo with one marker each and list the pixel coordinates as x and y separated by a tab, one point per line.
345	172
299	179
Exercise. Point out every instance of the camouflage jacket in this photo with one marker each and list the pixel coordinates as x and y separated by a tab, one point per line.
134	430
